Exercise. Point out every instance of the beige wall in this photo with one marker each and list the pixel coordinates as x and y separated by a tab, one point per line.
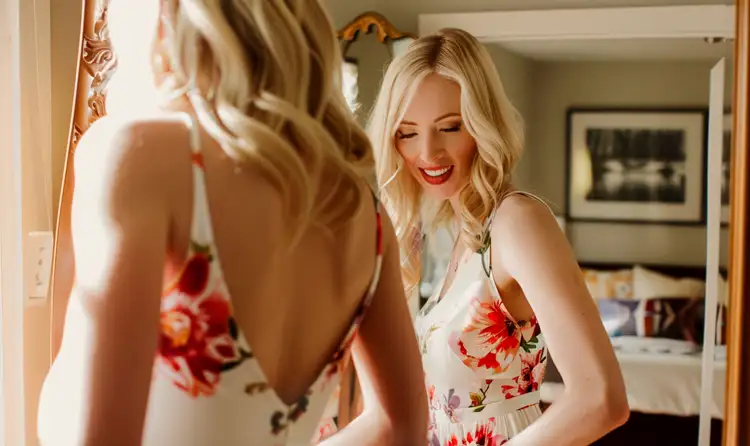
517	75
558	85
40	206
65	29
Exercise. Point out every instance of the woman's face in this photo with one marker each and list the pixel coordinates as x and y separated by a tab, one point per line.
434	143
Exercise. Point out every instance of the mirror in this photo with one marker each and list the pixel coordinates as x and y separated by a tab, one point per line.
368	43
618	143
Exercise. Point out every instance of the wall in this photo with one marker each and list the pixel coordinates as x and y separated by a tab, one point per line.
517	75
403	13
559	85
65	25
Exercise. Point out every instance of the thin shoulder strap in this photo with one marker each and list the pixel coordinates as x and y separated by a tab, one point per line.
517	192
201	231
378	251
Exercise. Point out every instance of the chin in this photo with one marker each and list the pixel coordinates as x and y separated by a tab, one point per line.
440	193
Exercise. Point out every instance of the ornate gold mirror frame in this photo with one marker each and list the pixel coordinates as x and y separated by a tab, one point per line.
372	22
96	65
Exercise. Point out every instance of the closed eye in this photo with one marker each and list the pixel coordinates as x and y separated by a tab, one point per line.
453	129
402	136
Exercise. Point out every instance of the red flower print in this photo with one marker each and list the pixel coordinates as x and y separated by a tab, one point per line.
196	345
198	160
484	436
325	430
490	340
194	276
530	379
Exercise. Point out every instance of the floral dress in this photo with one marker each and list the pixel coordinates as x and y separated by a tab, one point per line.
483	369
208	388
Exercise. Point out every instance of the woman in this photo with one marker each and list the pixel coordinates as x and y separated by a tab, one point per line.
229	254
445	133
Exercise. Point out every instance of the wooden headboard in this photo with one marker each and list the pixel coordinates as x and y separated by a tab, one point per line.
677	271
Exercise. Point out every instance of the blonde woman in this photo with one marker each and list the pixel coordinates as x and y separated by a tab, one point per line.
445	133
229	254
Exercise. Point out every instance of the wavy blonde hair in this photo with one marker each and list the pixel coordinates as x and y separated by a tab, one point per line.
488	116
264	77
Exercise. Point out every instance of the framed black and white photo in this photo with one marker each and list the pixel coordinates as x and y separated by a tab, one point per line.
636	165
725	158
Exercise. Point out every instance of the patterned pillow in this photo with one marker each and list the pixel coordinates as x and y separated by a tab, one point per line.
620	316
672	318
609	284
697	324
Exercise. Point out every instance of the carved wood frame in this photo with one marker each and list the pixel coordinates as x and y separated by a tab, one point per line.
96	65
367	23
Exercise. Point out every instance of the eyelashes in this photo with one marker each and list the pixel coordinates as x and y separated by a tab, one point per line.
452	129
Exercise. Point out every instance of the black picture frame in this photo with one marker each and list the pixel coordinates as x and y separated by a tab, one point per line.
683	204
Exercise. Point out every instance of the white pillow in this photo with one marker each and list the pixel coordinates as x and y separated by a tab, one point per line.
648	284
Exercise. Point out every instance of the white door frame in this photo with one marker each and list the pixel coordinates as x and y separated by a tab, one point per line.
593	23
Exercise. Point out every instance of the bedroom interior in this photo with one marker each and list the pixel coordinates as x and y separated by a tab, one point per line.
653	229
612	117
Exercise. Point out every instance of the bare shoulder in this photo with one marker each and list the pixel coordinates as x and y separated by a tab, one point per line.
117	150
519	215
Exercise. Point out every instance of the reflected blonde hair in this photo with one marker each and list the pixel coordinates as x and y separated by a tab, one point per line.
264	77
488	116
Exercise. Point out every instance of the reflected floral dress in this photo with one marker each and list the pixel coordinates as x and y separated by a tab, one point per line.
483	369
207	386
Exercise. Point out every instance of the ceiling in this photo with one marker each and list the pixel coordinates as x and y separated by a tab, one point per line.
674	49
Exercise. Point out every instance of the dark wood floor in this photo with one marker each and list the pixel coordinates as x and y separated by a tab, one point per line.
659	430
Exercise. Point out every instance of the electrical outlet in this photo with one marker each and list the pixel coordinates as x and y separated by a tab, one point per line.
39	266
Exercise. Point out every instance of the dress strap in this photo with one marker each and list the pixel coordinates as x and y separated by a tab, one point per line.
378	252
485	250
201	231
516	192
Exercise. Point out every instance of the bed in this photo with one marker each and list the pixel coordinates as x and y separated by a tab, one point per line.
662	375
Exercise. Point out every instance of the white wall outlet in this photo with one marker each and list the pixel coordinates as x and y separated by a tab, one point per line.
38	266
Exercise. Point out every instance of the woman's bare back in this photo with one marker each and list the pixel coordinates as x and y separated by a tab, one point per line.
293	306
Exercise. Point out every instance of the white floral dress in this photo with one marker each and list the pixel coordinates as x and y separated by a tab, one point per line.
207	386
483	369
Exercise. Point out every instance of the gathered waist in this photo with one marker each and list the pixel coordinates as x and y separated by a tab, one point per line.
496	409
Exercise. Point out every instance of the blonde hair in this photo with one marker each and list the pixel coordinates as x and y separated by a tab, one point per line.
264	78
488	116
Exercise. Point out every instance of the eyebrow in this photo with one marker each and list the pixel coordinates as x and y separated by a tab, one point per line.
439	118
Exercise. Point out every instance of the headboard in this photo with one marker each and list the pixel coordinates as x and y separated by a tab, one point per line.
677	271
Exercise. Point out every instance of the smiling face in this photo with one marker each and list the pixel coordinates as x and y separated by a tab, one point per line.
433	140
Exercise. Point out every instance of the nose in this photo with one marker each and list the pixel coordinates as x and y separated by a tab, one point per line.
430	149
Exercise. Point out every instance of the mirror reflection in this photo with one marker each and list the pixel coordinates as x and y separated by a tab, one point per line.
617	144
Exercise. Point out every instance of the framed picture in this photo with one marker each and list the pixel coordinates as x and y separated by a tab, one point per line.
725	170
636	165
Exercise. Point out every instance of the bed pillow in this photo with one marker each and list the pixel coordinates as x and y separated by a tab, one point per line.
616	284
667	318
672	318
697	324
649	284
620	316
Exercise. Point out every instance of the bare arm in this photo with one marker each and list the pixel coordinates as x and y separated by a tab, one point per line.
120	227
533	250
388	365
